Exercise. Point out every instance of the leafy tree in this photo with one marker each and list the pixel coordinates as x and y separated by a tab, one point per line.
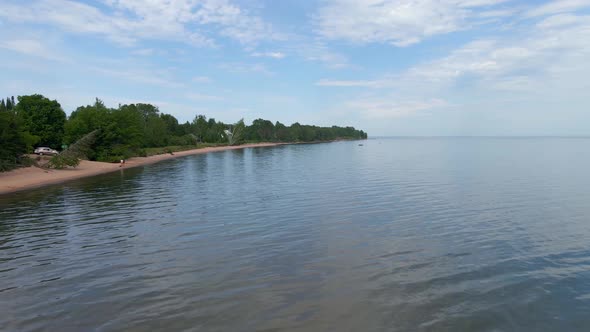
187	128
172	126
16	141
308	134
86	119
201	126
282	132
43	118
261	130
234	134
295	132
72	155
215	131
155	132
154	129
147	111
123	136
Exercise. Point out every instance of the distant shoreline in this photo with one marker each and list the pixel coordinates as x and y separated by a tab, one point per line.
34	177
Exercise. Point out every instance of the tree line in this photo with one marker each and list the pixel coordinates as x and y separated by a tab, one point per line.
126	131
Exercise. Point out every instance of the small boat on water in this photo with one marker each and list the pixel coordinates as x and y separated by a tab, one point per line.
360	144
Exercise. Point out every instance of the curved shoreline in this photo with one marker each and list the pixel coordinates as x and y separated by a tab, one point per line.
34	177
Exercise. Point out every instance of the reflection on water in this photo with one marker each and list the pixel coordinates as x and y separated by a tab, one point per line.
396	235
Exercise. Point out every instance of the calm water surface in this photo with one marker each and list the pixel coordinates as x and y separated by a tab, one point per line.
453	234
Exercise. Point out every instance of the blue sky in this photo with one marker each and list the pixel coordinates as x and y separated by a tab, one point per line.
405	67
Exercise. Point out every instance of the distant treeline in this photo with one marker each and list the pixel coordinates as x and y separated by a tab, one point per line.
128	130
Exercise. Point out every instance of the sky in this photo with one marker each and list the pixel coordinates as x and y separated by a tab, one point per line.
389	67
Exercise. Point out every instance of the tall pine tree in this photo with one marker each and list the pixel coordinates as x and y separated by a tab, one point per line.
2	106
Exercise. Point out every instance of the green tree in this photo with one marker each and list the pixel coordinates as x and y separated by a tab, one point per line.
200	127
124	134
172	126
42	117
16	141
155	132
86	119
234	134
72	155
263	130
215	131
295	132
308	134
9	106
282	132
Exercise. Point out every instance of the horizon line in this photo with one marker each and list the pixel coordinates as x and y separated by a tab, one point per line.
480	136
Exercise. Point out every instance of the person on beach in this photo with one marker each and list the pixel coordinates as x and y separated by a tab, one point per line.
122	163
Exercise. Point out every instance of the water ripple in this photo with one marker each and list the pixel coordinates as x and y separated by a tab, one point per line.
397	235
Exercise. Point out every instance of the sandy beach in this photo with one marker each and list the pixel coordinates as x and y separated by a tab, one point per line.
34	177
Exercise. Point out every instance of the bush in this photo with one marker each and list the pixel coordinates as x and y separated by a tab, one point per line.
62	161
142	153
72	155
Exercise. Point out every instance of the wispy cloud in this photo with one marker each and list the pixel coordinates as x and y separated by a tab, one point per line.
558	7
275	55
144	52
398	22
201	79
130	21
386	108
244	68
547	59
315	51
143	76
354	83
31	47
202	97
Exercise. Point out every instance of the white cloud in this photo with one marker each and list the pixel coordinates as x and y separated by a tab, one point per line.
149	76
275	55
543	61
202	97
556	42
557	7
354	83
130	21
398	22
201	79
513	83
384	108
144	52
31	47
318	52
497	13
242	68
562	20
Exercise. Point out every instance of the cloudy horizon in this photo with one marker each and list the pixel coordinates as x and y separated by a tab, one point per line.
391	68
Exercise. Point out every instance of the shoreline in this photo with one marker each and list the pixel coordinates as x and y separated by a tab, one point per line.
34	177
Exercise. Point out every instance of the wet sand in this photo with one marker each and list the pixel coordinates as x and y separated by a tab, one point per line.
35	177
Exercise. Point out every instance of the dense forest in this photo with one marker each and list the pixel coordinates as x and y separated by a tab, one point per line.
130	130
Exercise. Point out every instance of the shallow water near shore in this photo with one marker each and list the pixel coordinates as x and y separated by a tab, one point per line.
400	234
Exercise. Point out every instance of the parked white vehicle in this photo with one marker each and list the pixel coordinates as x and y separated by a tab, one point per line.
45	151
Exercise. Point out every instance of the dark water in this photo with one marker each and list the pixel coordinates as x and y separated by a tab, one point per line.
451	234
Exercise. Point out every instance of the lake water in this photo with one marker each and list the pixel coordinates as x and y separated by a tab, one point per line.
428	234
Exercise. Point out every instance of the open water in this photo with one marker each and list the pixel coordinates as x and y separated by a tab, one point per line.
400	234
